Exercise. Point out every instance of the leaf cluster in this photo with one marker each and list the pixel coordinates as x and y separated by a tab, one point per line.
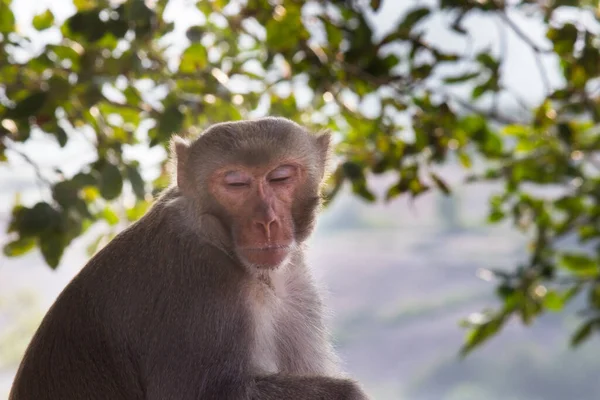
113	79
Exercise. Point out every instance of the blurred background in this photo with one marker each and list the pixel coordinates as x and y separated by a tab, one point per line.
460	242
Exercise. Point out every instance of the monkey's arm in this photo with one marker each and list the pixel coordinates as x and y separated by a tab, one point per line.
203	348
279	386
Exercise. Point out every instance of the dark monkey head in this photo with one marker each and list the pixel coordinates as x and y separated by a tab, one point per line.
261	179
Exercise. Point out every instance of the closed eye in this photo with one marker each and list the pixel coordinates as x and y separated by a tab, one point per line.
237	179
282	174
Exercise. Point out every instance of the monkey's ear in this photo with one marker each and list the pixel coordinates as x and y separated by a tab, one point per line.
180	150
324	145
324	150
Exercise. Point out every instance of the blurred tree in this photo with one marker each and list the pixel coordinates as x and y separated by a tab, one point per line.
110	74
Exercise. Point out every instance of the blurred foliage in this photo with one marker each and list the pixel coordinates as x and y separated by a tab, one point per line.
110	73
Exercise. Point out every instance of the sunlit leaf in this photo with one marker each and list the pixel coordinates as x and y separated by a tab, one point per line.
137	211
83	5
579	264
553	301
110	216
481	333
7	18
19	246
43	21
194	59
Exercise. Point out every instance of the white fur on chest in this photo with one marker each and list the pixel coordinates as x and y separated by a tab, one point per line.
267	305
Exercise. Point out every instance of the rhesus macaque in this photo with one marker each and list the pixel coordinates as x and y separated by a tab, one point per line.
208	295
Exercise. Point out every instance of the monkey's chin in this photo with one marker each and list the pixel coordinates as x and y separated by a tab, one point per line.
266	257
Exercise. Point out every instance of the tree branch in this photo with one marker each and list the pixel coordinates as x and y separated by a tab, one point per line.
28	160
537	50
522	34
491	114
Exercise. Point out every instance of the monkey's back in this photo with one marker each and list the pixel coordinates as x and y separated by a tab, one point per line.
108	327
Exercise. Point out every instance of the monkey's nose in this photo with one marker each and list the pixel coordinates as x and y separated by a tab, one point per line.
266	226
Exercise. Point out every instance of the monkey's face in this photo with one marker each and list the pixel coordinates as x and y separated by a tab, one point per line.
258	202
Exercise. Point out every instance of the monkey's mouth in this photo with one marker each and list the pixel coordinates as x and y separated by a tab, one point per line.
270	256
269	248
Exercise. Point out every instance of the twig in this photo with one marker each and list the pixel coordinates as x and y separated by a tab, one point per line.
503	50
543	73
32	163
536	49
492	114
522	34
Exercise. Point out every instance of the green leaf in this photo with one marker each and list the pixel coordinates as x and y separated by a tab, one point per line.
111	182
578	76
34	221
465	160
396	190
583	332
553	301
87	24
193	59
7	18
140	16
579	264
517	130
137	211
495	216
563	38
594	296
360	188
461	78
487	60
19	247
29	106
82	179
286	33
110	216
195	33
353	170
440	183
61	136
412	18
43	21
478	91
83	5
137	183
481	333
170	122
65	193
334	34
52	246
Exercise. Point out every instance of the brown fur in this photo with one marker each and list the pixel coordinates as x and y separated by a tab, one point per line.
168	310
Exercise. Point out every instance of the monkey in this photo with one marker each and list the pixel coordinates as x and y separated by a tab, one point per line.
208	295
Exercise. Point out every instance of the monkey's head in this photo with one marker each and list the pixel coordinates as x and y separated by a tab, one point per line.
261	179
